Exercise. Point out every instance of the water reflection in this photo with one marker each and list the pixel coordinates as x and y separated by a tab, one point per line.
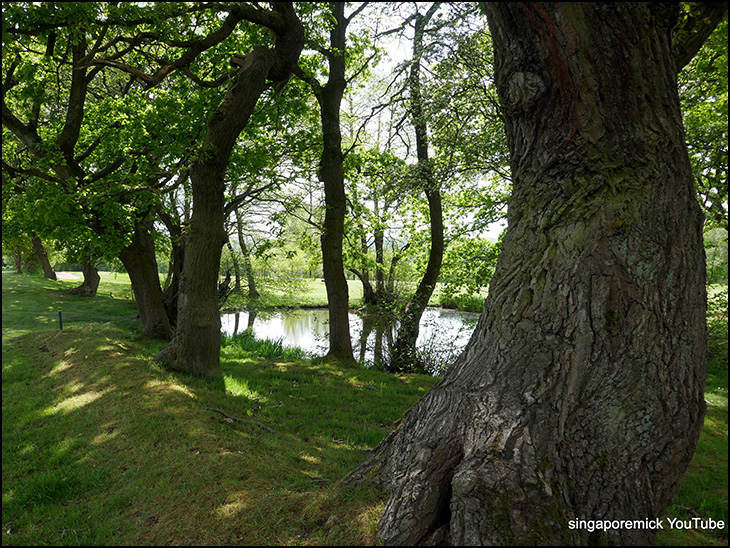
443	333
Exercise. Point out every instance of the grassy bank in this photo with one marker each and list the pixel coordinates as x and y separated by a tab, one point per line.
100	446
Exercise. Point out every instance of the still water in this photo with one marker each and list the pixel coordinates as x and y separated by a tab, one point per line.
443	333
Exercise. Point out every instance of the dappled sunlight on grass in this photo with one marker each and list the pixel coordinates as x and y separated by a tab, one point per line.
62	366
109	431
101	446
310	459
147	455
73	403
162	386
239	387
239	503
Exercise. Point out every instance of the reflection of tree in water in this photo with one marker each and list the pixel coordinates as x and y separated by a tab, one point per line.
249	324
443	334
382	346
437	348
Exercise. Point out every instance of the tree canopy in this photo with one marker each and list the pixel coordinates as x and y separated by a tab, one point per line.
106	107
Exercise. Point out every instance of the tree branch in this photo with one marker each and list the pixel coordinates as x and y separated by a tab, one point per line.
195	47
693	28
231	417
29	172
69	135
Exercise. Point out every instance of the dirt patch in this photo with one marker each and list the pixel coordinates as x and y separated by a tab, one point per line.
67	276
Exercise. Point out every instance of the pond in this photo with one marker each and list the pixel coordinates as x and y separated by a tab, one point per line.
443	333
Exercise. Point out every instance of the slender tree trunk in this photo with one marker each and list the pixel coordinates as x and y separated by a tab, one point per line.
195	347
236	267
253	292
40	252
177	258
91	282
331	173
368	294
236	322
404	353
363	273
172	292
140	262
18	254
390	281
379	243
580	394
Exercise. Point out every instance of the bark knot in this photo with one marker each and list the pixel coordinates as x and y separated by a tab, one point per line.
523	90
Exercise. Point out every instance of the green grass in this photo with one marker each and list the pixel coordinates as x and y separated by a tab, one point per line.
102	447
245	344
313	294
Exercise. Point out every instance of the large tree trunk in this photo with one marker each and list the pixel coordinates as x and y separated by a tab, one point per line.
91	282
195	347
580	394
42	255
140	262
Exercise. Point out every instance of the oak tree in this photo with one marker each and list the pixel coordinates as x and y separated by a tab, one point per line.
580	394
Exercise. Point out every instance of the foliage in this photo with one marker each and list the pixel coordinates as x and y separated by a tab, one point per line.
703	87
80	147
717	327
716	252
468	266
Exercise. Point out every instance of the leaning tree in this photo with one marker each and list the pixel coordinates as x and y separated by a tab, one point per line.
580	394
195	347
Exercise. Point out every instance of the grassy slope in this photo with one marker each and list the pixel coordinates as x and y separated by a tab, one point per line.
101	446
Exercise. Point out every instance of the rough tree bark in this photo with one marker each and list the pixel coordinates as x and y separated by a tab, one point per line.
140	263
580	394
195	347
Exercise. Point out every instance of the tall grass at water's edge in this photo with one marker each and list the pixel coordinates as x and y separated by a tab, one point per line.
102	446
246	343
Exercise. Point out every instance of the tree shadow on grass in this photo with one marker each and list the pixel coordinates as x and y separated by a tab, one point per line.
100	445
